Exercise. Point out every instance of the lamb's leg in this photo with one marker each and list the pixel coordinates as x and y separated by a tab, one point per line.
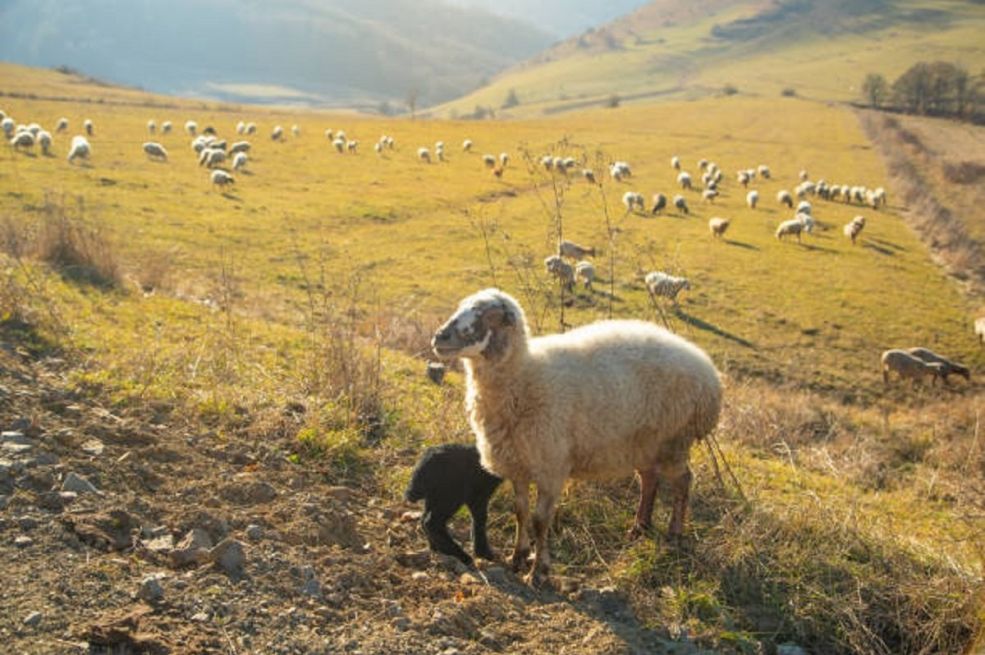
544	514
521	504
480	542
680	485
436	527
644	511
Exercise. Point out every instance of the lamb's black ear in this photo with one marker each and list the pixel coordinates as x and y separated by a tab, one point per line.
497	315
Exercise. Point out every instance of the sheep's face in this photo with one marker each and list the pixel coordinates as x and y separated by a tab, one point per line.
481	327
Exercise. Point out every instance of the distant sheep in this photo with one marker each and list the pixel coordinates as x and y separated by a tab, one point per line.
632	200
585	272
155	150
709	195
44	140
574	251
619	171
684	179
239	146
352	146
663	285
241	128
854	228
446	478
681	204
804	176
191	127
87	126
743	178
7	125
764	171
62	125
166	127
467	145
296	131
589	175
659	203
251	128
675	163
151	126
909	367
784	198
221	178
504	159
211	157
489	161
22	141
980	329
949	367
424	155
339	144
790	228
807	221
752	199
80	149
718	226
330	134
804	207
239	160
277	133
562	270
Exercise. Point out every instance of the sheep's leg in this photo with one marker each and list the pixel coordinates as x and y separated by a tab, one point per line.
480	542
544	514
644	511
436	528
521	504
681	487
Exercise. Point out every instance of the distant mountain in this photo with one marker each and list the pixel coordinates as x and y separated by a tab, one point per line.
336	52
674	49
563	18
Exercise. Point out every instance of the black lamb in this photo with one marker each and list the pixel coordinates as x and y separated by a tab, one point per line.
447	477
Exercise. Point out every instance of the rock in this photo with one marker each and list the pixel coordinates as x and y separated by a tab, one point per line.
193	548
23	424
33	619
312	588
56	500
4	501
26	523
160	545
248	492
151	589
340	493
23	541
254	532
229	555
401	623
78	484
467	579
790	649
436	372
419	575
16	448
200	617
497	575
451	651
113	530
93	447
16	437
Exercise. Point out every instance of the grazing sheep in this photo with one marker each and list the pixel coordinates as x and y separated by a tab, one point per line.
665	285
151	126
467	145
684	179
44	140
906	366
764	171
80	148
209	130
980	328
504	159
87	126
807	221
949	367
239	146
562	270
743	178
659	203
585	272
879	197
241	128
218	144
574	251
752	199
854	228
675	163
191	127
787	228
446	478
804	207
62	125
718	226
339	144
352	146
378	147
155	150
620	170
599	401
703	164
296	131
277	133
547	162
211	157
709	195
424	155
784	198
803	176
805	188
221	178
7	125
239	160
489	161
329	134
632	199
589	175
681	204
22	140
251	128
34	129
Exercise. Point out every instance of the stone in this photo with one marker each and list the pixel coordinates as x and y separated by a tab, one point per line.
401	623
254	532
4	501
16	448
93	447
78	484
229	555
419	575
312	588
16	437
497	575
200	617
151	589
26	523
21	425
33	619
790	649
23	541
160	545
193	548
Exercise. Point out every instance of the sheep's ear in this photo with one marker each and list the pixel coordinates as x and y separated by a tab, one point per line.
497	316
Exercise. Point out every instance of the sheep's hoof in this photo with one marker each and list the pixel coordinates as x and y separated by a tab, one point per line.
519	559
638	531
539	577
487	554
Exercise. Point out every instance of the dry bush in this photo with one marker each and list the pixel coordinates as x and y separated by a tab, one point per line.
153	270
78	250
965	172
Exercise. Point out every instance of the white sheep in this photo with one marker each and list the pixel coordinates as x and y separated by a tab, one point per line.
681	204
907	366
620	170
296	131
664	285
504	159
574	251
241	128
980	328
467	145
752	199
352	146
7	125
743	178
784	198
221	178
239	160
80	148
87	126
547	162
62	125
854	228
378	147
155	150
764	171
804	207
589	175
807	221
879	196
251	128
601	400
675	163
703	164
804	176
339	143
424	155
330	134
166	127
562	270
22	141
239	146
44	140
585	272
191	127
277	133
211	157
659	203
152	126
489	161
787	228
709	195
684	179
633	200
718	226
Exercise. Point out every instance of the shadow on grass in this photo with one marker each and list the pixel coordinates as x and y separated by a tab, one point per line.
741	244
701	324
885	244
882	250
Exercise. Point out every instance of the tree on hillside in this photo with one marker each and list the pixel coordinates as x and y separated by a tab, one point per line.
933	88
875	89
412	102
511	99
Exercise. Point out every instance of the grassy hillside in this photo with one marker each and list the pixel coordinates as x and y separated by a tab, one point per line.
668	50
280	328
